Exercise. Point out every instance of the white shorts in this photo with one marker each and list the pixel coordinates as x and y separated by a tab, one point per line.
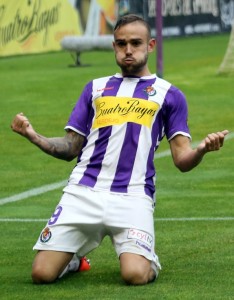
84	216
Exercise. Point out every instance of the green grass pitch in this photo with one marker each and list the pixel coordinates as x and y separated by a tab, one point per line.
195	240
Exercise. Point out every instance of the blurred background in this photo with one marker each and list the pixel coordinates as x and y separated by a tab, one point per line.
36	26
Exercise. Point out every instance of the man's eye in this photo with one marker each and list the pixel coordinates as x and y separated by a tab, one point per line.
121	44
136	43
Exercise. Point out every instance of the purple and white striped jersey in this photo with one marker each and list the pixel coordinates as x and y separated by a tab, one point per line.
124	120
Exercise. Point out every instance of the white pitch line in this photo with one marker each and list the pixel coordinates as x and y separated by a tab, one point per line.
22	220
33	192
192	219
50	187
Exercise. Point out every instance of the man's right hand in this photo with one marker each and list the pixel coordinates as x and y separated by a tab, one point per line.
22	126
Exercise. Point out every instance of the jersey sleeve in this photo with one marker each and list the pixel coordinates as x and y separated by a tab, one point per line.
175	114
81	116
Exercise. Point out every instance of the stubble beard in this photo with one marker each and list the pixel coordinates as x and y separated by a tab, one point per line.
133	69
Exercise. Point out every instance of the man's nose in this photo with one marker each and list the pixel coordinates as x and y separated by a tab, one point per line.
128	49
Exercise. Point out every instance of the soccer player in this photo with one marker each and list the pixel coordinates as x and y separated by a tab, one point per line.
114	130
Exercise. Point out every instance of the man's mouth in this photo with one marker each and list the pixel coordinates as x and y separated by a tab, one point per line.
128	60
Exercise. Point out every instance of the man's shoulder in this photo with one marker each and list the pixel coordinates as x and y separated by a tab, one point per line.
162	83
166	85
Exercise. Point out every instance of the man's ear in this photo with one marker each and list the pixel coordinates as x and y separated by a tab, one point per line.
151	45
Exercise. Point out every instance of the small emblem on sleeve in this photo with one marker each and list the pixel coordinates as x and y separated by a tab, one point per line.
45	235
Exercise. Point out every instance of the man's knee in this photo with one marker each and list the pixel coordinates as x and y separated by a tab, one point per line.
135	276
135	269
41	275
48	265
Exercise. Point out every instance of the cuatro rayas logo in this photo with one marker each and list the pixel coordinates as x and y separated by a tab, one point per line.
28	20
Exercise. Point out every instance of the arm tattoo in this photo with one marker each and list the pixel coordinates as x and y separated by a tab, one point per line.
66	148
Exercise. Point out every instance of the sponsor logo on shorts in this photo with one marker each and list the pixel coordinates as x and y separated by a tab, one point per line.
45	235
143	246
141	236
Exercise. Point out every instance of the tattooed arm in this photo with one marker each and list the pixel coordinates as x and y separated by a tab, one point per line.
66	148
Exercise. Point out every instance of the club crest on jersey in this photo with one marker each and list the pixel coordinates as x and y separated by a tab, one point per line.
150	91
45	235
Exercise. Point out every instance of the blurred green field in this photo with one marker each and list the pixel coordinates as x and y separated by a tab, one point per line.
195	240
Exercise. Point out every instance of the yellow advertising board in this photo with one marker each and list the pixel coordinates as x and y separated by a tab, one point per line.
34	26
98	17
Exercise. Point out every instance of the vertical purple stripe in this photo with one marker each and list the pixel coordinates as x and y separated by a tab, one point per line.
156	135
94	167
150	173
128	152
112	86
126	159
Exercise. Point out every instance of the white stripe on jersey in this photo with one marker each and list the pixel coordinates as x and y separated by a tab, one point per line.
118	132
78	173
140	164
162	87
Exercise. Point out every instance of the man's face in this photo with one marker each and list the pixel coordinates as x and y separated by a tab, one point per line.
132	46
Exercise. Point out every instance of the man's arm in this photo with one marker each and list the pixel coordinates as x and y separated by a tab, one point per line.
66	148
185	158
